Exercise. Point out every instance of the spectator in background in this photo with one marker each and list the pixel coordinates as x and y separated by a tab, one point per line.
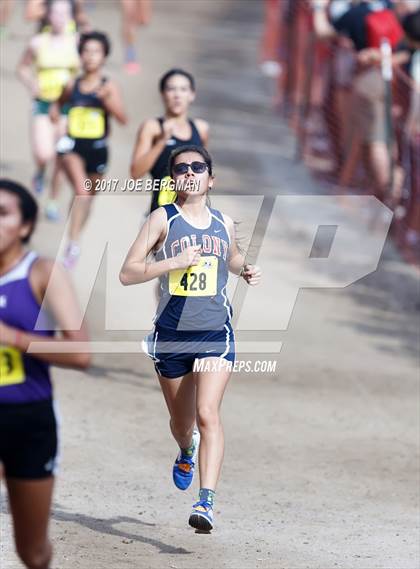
405	7
340	79
365	23
411	25
6	7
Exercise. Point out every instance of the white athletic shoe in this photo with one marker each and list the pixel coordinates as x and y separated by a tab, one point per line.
71	256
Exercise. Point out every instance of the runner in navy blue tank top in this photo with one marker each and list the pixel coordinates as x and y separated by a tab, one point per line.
194	248
92	100
157	138
28	424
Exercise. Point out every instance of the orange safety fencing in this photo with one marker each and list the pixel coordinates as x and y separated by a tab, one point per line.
327	101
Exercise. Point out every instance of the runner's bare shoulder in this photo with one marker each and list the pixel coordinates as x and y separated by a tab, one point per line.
35	43
229	224
158	220
40	275
158	217
203	128
149	130
201	124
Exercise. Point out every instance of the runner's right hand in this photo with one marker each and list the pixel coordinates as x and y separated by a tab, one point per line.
34	89
168	128
54	112
189	257
103	92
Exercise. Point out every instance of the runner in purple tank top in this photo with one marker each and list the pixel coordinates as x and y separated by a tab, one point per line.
28	425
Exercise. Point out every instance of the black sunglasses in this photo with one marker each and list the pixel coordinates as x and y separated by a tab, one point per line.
196	166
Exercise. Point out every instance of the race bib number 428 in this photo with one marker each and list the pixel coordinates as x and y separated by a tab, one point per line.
11	366
199	280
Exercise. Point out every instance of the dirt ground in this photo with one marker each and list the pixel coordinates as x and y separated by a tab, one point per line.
321	462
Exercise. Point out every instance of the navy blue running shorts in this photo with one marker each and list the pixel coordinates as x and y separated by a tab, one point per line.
174	352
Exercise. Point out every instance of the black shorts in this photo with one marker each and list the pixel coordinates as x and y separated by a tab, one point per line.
28	440
94	153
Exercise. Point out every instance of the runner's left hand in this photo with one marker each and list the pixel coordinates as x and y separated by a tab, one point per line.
103	92
252	274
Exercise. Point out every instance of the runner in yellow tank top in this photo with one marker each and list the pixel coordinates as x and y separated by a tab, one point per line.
37	11
48	63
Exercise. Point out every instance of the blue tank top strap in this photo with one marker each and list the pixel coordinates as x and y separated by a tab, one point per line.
75	89
171	211
217	214
91	97
195	135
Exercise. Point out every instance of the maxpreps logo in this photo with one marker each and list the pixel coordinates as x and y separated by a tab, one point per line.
352	251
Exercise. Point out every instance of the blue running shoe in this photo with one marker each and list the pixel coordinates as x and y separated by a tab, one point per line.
183	471
38	182
201	517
